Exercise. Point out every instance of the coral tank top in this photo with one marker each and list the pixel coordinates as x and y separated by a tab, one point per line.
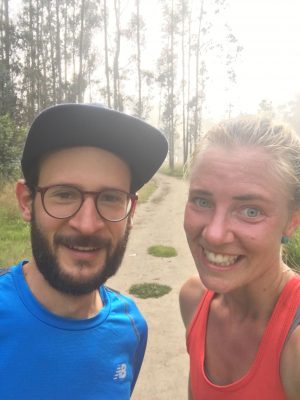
262	381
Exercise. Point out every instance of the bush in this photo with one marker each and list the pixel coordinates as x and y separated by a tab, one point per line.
292	252
11	142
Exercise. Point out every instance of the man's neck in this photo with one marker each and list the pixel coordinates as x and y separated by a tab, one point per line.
61	304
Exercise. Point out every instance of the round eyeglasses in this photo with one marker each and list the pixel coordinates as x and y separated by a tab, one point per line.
64	201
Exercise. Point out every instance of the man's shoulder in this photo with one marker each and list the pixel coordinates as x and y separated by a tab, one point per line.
121	303
4	270
119	297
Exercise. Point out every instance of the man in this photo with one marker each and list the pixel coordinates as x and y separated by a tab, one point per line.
64	335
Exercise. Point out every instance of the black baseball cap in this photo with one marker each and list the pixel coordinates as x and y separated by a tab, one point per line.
139	144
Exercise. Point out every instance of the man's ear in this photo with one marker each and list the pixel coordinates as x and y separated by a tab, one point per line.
131	215
24	199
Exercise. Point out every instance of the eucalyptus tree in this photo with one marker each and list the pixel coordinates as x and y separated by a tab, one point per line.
7	37
167	68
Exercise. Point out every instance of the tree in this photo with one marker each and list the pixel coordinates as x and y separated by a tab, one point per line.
7	95
11	140
167	72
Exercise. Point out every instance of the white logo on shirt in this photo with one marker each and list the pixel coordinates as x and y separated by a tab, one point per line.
120	372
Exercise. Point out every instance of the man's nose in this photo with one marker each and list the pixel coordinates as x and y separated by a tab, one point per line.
87	219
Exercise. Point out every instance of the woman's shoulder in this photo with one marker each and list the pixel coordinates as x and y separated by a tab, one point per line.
190	295
290	365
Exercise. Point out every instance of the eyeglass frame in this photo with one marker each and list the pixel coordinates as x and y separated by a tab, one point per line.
133	197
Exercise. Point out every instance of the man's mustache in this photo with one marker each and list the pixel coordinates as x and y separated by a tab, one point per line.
81	241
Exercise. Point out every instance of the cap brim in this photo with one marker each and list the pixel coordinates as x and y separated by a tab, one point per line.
140	145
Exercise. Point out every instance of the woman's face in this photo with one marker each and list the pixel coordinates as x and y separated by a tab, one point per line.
236	213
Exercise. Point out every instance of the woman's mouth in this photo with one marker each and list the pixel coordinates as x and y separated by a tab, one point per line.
219	259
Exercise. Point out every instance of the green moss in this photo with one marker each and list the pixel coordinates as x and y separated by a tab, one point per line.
162	251
148	290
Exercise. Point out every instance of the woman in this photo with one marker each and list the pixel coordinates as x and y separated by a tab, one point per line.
242	312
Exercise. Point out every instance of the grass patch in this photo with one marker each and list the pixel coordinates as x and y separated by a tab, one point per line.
177	171
149	290
146	191
162	251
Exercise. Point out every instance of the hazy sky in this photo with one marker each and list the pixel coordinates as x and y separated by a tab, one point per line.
269	65
269	68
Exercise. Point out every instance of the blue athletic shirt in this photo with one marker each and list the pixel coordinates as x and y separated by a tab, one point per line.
45	356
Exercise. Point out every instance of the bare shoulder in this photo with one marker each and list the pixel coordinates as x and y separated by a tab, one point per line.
189	297
290	366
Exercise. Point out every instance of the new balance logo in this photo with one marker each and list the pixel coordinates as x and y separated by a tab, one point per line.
120	372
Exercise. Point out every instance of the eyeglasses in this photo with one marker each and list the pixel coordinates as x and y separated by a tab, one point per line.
64	201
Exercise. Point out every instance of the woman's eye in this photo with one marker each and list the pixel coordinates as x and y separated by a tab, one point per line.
200	202
251	212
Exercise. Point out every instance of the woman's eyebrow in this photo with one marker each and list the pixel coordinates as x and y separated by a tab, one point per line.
248	196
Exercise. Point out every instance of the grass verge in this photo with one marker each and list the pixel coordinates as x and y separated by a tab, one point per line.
146	191
177	171
14	233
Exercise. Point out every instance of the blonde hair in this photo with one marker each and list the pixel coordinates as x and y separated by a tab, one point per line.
278	139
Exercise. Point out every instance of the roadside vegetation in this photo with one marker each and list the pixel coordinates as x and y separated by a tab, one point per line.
291	252
177	171
14	233
147	190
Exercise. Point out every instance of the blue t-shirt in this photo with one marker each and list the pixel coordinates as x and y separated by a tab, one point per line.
44	356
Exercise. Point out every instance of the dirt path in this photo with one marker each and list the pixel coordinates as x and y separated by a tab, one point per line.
159	221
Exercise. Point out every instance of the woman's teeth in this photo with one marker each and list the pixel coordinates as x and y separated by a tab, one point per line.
220	259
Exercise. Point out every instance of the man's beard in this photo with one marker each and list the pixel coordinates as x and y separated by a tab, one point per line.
48	264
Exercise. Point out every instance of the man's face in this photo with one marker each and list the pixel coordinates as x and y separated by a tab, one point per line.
77	254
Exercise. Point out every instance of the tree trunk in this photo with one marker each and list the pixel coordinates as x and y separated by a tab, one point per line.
80	73
106	56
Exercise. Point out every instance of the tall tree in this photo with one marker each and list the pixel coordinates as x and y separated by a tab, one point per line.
7	95
167	74
107	69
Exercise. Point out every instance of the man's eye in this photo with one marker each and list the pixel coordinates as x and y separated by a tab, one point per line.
112	197
64	194
251	212
200	202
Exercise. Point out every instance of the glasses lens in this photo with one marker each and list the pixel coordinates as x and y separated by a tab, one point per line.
62	201
113	205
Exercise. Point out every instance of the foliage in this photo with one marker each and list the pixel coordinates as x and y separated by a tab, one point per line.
292	252
94	51
162	251
177	171
14	233
146	191
11	141
148	290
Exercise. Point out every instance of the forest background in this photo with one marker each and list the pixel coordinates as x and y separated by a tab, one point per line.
155	60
